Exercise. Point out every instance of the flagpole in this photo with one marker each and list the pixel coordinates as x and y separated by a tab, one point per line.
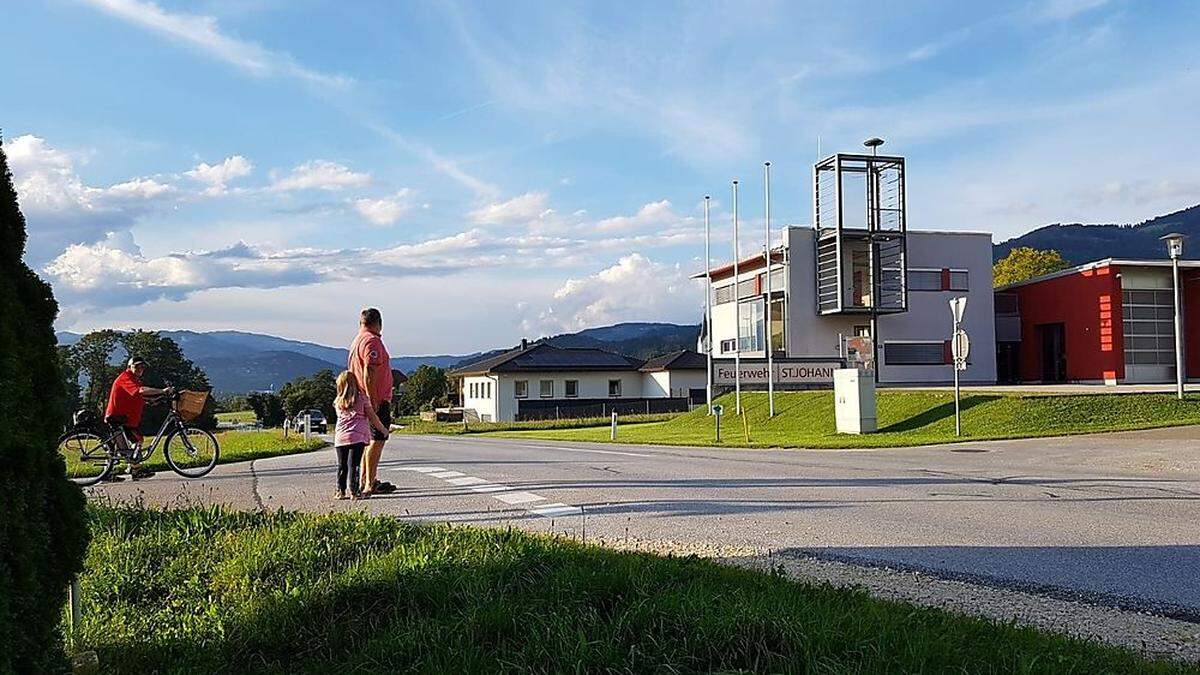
737	309
767	303
708	326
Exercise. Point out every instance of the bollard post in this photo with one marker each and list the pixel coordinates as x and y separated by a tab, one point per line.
614	425
307	427
717	410
76	611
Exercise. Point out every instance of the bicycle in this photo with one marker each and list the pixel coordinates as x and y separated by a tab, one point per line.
190	451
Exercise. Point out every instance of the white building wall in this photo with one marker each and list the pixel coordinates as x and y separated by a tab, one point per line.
682	381
475	396
657	384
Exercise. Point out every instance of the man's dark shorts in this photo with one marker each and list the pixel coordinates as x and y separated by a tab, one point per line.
384	411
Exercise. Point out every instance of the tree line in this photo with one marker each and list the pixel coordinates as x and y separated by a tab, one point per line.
426	388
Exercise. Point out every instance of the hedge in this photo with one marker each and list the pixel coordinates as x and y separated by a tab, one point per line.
43	531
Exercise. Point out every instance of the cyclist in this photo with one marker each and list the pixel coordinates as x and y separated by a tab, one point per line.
126	400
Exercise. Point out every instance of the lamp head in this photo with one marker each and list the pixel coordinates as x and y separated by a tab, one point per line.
1174	244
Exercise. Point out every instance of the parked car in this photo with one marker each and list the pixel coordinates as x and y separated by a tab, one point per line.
319	425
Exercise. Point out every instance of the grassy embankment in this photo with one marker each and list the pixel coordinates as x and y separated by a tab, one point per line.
414	425
806	420
204	590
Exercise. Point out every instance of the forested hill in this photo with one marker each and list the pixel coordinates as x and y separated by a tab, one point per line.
1079	243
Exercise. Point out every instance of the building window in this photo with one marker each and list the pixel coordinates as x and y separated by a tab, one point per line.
862	331
924	280
1148	318
614	388
521	388
546	388
571	388
472	389
728	346
914	353
959	281
723	294
750	326
778	333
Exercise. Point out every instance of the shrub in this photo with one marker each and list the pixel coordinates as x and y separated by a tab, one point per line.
43	532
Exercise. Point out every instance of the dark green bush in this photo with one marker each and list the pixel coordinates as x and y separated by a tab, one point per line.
43	532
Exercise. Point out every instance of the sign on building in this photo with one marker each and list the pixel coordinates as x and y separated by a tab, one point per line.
786	373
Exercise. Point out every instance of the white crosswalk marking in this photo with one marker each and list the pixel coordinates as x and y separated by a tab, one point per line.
533	503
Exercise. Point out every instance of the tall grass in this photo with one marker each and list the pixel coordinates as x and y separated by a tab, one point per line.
206	590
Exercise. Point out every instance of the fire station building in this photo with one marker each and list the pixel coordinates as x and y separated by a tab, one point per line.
1109	321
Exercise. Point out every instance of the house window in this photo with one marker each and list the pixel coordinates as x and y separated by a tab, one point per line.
958	280
723	294
914	353
925	280
472	390
614	388
572	388
546	388
728	346
1148	320
487	390
521	388
750	326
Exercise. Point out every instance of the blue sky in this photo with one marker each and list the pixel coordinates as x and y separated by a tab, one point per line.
488	171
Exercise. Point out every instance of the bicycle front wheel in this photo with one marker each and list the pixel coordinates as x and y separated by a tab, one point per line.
87	458
191	452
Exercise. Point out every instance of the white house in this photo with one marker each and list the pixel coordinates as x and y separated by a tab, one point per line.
539	381
809	327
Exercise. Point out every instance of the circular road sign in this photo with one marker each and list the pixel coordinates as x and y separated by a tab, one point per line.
960	346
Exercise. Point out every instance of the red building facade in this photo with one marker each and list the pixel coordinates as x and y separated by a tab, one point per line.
1109	321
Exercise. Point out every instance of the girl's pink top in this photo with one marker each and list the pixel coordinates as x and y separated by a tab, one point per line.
353	425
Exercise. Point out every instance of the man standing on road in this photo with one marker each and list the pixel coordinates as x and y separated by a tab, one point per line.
372	367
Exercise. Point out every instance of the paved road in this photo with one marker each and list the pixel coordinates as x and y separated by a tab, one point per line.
1106	517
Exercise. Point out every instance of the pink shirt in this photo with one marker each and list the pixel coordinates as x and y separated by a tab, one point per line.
353	425
367	352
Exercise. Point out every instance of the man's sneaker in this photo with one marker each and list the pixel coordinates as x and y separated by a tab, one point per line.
140	472
383	487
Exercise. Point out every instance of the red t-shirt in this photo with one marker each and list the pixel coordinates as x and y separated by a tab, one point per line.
125	398
367	352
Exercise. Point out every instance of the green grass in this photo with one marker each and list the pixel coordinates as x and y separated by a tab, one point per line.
236	446
414	425
241	446
240	417
805	419
205	590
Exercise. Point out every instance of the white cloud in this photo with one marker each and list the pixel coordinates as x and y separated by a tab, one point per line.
320	174
61	208
217	175
654	214
385	210
635	288
202	32
520	209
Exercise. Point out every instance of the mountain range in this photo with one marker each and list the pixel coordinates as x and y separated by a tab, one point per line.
1079	243
239	362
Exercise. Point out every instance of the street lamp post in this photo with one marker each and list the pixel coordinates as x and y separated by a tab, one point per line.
1175	251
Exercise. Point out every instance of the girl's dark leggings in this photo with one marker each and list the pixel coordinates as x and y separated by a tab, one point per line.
349	457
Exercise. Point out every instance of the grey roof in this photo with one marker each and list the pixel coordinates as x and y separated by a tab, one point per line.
542	357
684	359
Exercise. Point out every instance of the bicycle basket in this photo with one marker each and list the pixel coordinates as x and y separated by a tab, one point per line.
191	404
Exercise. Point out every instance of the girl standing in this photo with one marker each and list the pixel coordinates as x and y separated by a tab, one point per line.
355	417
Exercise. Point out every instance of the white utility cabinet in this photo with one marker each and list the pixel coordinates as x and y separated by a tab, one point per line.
854	401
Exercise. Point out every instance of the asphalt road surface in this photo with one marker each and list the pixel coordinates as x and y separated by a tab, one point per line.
1110	518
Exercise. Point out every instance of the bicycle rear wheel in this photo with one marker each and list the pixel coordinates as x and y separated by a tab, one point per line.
87	458
191	452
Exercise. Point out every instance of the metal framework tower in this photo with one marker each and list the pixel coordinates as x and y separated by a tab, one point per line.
859	222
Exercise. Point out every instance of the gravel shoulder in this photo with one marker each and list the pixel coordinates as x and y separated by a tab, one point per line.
1147	633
